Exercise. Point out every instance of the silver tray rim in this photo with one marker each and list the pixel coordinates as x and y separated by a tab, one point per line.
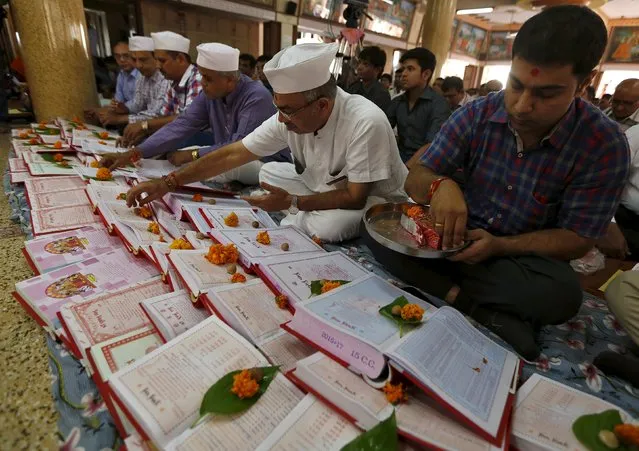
416	251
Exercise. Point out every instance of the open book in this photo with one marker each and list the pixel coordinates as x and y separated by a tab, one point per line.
198	274
109	315
54	251
17	165
445	356
177	201
250	250
66	198
59	219
419	420
30	157
99	193
43	296
50	184
545	411
161	393
19	177
292	274
40	169
131	228
173	313
174	227
214	216
198	242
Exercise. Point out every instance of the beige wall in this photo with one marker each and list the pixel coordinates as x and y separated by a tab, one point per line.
201	25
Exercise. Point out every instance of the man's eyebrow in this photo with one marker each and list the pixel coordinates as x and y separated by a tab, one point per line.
541	87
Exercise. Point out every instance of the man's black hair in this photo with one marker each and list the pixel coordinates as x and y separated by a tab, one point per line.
561	35
606	97
373	55
441	78
455	83
250	58
424	57
387	77
173	54
263	59
399	70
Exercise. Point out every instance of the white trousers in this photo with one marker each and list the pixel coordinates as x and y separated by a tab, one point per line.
248	174
330	226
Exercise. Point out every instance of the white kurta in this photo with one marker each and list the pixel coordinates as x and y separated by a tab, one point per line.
356	144
630	196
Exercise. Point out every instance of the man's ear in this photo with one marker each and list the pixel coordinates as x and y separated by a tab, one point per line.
585	83
427	74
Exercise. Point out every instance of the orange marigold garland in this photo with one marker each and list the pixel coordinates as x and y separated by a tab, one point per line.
220	254
232	220
143	212
412	312
282	301
238	278
395	393
58	157
154	228
197	197
263	238
244	385
180	243
627	434
328	285
103	174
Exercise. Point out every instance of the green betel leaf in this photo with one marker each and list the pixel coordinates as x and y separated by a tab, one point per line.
316	285
382	437
108	138
587	427
220	400
387	311
47	131
50	158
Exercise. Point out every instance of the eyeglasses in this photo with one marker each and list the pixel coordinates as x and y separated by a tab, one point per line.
289	116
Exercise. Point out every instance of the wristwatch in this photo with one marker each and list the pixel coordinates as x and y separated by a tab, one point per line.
195	154
293	208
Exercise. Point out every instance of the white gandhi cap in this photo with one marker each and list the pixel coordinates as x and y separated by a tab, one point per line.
301	67
140	44
218	57
167	40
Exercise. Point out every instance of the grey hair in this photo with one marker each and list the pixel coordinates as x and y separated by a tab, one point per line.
328	90
235	74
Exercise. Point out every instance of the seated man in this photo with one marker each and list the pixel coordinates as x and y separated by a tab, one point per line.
604	102
544	173
493	86
453	89
397	88
386	80
259	68
172	55
370	65
437	85
232	105
625	104
247	65
150	88
345	154
419	112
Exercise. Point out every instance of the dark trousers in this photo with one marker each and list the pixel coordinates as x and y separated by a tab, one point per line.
538	290
628	222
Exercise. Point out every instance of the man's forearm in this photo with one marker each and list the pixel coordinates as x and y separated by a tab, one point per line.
159	122
215	163
418	183
331	200
561	244
414	160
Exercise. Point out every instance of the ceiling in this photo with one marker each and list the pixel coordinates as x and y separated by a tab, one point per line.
507	11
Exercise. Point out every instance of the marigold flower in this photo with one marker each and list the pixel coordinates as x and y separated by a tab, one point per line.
412	312
94	164
162	240
23	135
102	142
64	163
58	157
121	196
143	212
238	278
395	394
154	228
34	141
628	434
180	243
42	124
328	285
197	197
103	174
282	301
77	120
220	254
57	145
232	220
244	386
317	240
103	135
415	212
263	238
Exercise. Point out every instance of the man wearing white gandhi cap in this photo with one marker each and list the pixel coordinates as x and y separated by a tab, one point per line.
150	88
346	157
231	105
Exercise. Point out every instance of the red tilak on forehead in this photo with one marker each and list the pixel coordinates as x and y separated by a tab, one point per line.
534	72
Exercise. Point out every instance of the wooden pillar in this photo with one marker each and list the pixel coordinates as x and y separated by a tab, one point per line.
436	29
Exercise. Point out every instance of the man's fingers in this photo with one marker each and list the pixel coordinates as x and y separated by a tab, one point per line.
459	231
271	188
131	196
449	231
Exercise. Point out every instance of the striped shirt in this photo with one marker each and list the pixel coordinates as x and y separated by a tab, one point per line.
149	95
182	93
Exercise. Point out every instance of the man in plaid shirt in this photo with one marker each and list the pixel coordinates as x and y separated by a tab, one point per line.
172	55
544	172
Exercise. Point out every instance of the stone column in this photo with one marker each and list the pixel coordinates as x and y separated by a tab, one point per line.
55	49
436	29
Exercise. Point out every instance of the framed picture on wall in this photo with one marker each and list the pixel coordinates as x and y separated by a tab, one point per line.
390	18
453	33
623	46
469	40
500	46
324	9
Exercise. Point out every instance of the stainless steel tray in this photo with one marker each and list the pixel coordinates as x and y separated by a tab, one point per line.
382	224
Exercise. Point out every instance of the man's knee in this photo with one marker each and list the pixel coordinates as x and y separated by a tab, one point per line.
333	226
269	172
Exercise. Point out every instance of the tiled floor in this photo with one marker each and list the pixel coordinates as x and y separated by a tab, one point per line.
27	416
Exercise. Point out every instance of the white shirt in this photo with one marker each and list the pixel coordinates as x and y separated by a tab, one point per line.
630	196
356	144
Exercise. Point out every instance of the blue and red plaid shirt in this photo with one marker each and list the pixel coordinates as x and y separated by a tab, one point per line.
182	93
573	180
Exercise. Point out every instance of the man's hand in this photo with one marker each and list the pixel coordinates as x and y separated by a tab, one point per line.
154	190
133	134
180	157
276	200
115	160
108	117
91	115
484	245
119	107
449	212
613	244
